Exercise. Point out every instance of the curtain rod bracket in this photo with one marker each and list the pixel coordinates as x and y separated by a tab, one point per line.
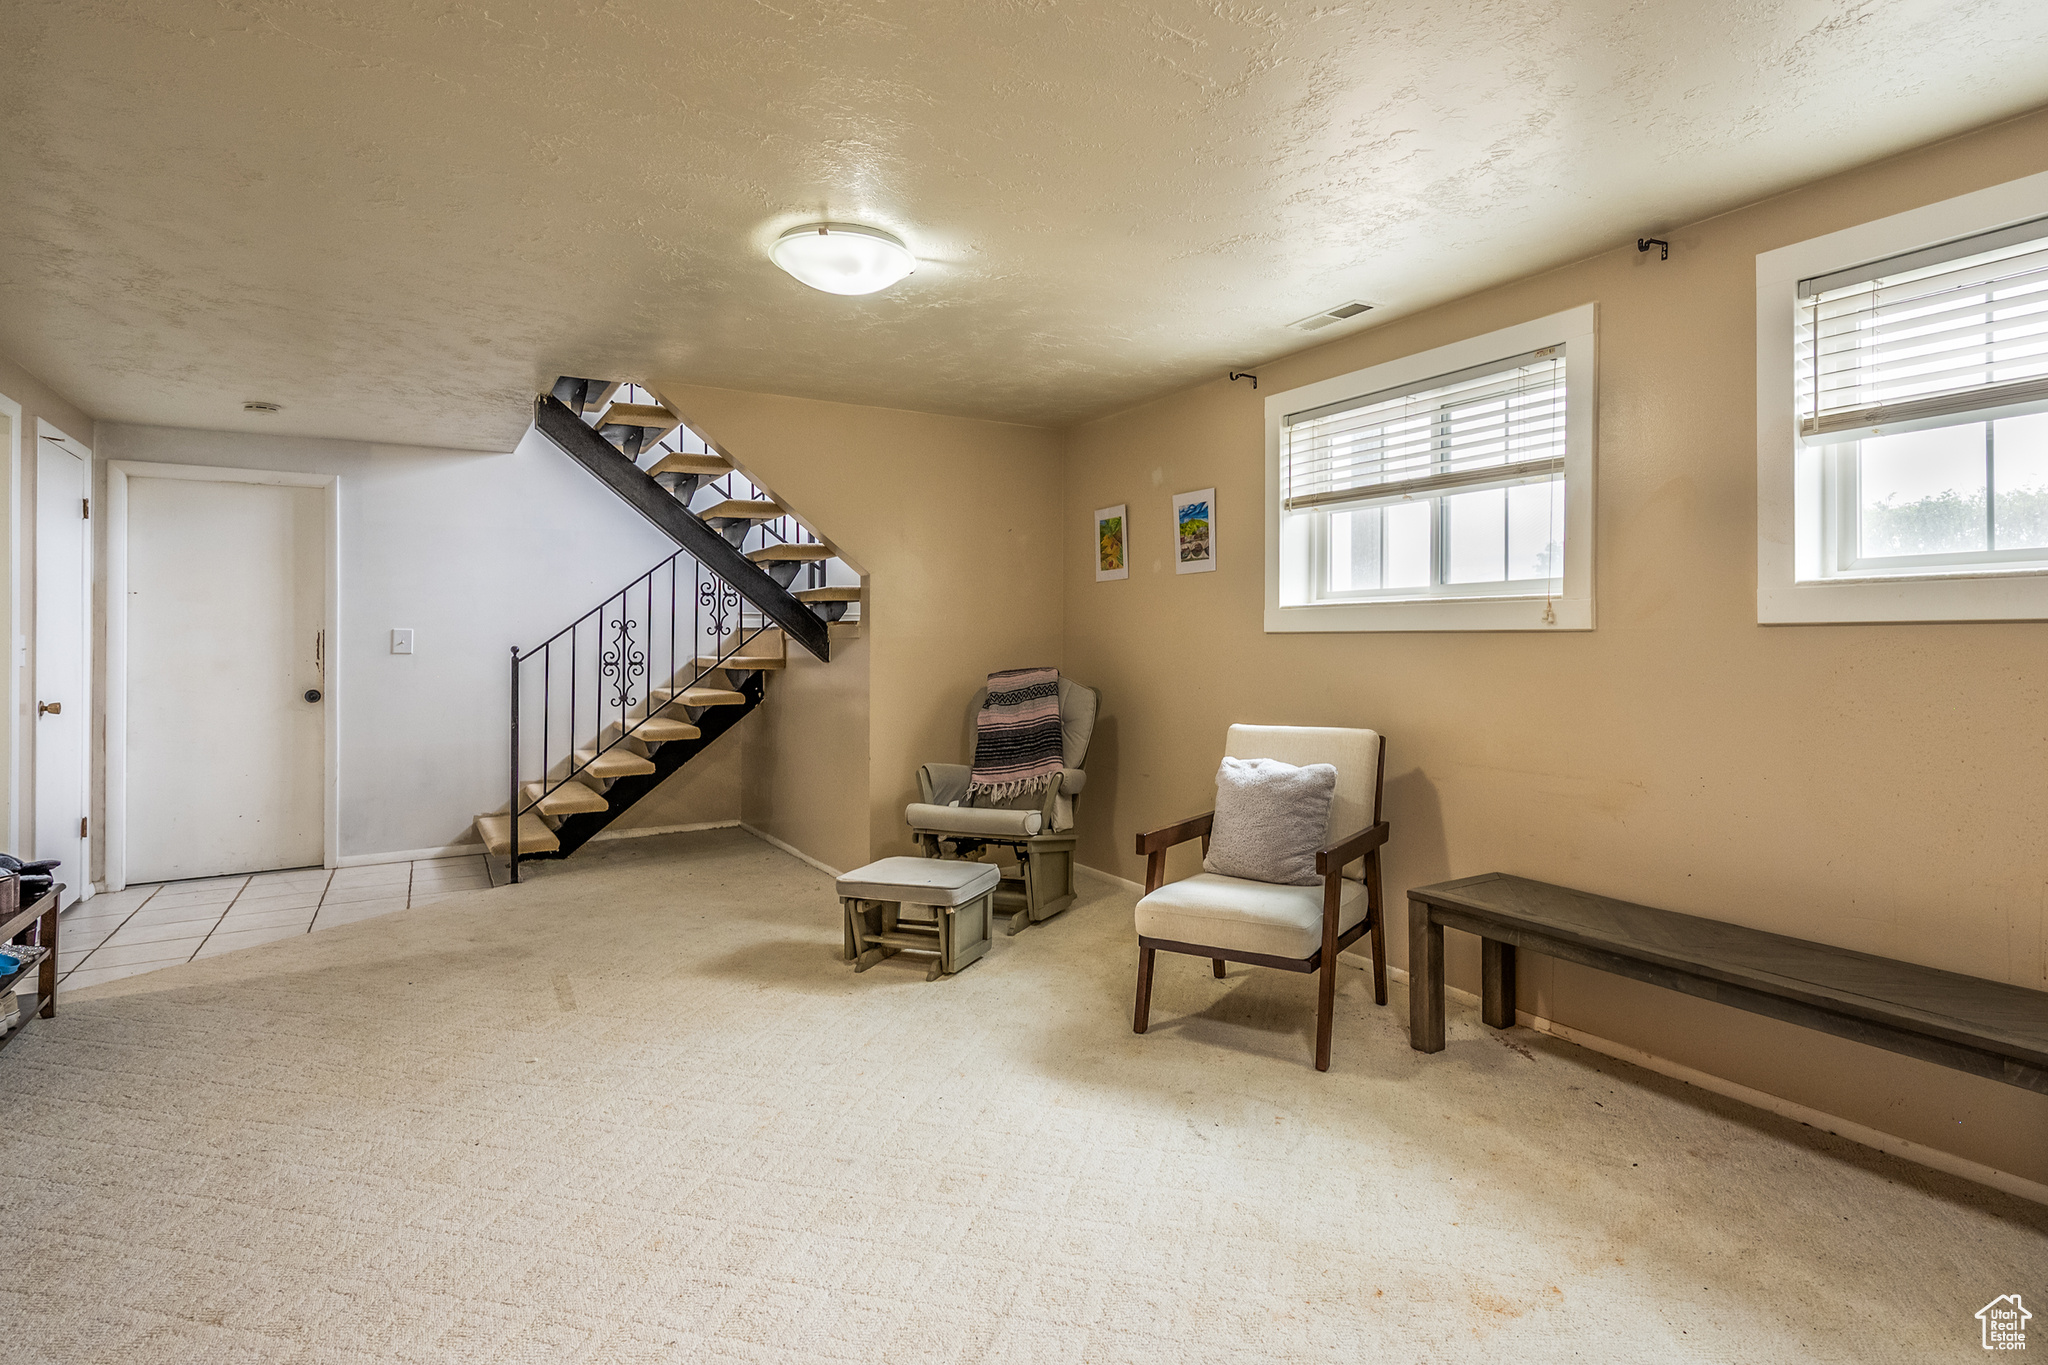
1645	243
1236	375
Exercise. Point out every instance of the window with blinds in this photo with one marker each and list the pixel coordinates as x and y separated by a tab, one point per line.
1952	333
1488	426
1434	491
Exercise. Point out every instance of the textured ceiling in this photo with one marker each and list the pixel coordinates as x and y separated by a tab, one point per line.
394	218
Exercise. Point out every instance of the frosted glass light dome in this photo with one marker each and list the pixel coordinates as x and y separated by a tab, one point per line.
843	258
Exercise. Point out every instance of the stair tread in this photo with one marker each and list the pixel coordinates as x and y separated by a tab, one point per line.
743	661
615	762
662	729
571	798
692	464
701	696
768	553
828	595
534	834
742	509
648	415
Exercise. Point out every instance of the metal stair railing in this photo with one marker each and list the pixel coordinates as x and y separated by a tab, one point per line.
593	691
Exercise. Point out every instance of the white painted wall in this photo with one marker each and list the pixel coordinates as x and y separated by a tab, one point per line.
475	553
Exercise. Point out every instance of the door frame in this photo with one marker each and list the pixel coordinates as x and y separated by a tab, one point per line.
118	474
70	445
16	641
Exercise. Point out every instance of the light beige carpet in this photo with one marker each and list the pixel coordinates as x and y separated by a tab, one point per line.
638	1110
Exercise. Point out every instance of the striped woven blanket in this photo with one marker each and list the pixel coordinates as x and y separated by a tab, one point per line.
1017	734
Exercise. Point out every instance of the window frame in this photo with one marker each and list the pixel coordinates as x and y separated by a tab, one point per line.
1295	600
1806	573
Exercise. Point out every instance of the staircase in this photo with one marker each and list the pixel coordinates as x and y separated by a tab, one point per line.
605	709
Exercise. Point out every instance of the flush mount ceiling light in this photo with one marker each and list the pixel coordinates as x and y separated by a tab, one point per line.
843	258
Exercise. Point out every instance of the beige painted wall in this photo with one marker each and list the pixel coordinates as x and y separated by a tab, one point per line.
955	525
807	754
1878	787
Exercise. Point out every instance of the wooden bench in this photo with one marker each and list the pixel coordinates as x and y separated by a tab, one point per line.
1986	1028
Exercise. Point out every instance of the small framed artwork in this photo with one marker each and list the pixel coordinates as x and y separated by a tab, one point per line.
1112	553
1194	530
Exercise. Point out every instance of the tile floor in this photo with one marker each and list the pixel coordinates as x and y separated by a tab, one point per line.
121	933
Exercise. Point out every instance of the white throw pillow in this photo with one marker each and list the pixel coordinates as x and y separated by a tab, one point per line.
1270	820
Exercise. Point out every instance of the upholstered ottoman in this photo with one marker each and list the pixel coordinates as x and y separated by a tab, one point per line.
960	897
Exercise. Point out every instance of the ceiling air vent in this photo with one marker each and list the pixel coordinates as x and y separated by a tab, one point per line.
256	405
1330	317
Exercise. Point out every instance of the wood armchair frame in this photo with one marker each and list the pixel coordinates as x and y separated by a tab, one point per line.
1330	864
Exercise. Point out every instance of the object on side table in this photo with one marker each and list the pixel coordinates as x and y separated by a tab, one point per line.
1267	924
951	820
36	878
959	895
17	957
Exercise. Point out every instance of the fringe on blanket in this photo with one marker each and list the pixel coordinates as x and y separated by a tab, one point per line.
1017	746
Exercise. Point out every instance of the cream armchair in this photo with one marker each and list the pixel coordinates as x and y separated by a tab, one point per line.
1293	928
1036	830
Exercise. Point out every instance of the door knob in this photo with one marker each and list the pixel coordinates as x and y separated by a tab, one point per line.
49	708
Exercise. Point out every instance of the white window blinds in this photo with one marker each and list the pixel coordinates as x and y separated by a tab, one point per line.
1952	333
1491	425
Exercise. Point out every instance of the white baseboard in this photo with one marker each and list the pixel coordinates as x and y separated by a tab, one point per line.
797	853
1915	1152
1138	887
605	834
410	855
421	855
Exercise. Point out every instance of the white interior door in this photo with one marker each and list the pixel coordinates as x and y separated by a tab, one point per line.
62	683
226	736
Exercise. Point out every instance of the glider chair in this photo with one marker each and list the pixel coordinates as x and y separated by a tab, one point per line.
1037	830
1295	927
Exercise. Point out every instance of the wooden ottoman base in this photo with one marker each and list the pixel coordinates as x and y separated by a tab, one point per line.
879	901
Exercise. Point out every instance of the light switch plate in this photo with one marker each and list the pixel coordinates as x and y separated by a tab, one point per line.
401	642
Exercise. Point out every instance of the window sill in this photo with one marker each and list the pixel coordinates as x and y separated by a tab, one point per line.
2021	596
1985	574
1433	614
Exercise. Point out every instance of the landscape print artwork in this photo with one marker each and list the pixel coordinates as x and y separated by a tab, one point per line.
1112	553
1194	531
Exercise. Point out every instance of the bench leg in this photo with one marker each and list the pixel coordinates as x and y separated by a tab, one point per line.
1497	983
1425	980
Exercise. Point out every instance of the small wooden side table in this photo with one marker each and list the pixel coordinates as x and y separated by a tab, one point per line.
39	923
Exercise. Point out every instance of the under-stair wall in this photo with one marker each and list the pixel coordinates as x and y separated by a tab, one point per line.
955	522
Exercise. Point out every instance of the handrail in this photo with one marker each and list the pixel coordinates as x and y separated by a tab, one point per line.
629	633
612	650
